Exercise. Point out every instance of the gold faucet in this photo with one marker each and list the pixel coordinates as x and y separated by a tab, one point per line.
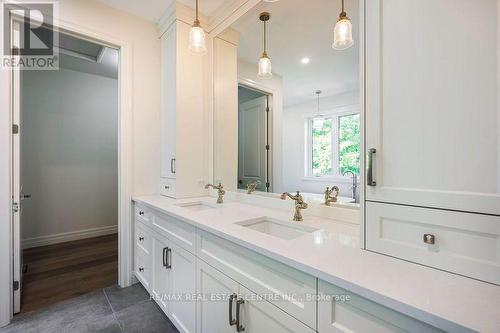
299	204
329	198
251	185
220	191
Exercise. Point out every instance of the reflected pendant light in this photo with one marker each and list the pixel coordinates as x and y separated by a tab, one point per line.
265	71
342	33
197	43
318	121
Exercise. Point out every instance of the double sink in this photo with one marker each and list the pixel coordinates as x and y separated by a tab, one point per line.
269	226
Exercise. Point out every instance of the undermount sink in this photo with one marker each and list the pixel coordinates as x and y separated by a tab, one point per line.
196	206
276	228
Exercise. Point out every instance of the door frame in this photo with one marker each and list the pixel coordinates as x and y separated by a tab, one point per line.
125	165
269	131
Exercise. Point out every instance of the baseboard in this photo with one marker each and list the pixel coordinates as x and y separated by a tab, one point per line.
68	236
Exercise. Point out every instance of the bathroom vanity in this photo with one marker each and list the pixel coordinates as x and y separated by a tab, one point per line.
235	266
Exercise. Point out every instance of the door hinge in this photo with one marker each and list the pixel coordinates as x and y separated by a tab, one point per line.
15	128
16	285
267	109
267	147
268	185
15	207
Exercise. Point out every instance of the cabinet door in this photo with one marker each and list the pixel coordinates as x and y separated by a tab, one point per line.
161	273
258	315
342	311
182	307
168	103
215	289
431	103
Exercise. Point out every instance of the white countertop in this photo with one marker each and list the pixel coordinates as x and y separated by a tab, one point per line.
447	301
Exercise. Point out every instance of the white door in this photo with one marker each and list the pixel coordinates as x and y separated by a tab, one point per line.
17	195
431	103
215	288
168	104
161	273
252	141
257	315
182	308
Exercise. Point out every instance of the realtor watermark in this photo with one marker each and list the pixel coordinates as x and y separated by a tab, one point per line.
29	37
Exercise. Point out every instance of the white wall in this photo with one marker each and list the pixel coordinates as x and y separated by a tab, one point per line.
69	153
143	38
294	144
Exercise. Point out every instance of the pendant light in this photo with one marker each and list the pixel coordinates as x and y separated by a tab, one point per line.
342	33
265	71
318	121
197	43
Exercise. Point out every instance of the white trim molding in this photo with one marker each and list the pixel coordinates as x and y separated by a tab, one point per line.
69	236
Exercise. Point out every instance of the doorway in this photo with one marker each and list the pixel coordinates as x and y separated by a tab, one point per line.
66	175
254	147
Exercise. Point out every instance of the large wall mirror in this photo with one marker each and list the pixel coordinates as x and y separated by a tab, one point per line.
299	128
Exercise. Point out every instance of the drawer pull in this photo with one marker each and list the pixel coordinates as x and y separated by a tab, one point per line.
239	327
141	239
167	257
232	321
167	187
429	239
141	269
369	172
141	213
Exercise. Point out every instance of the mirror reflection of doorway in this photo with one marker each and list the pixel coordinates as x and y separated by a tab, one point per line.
253	139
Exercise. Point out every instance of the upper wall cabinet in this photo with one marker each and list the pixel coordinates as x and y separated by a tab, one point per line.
183	115
432	113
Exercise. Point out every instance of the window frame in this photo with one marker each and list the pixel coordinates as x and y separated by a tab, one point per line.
335	115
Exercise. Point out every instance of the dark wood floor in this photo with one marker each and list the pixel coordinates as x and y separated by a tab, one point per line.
66	270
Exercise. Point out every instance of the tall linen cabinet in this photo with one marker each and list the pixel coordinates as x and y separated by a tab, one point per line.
184	120
432	133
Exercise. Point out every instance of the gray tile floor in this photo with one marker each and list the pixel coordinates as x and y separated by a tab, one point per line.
110	310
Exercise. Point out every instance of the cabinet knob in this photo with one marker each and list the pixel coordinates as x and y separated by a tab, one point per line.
141	239
141	269
167	187
429	239
141	212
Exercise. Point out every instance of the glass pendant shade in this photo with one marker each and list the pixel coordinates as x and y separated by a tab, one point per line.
318	123
265	70
342	34
197	42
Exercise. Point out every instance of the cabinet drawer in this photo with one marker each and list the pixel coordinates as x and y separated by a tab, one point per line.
142	238
342	311
177	231
289	289
142	214
464	243
167	187
142	269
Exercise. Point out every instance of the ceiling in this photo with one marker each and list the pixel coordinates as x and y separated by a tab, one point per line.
84	56
298	29
152	10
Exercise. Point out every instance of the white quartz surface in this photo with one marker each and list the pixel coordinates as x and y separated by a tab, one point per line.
448	301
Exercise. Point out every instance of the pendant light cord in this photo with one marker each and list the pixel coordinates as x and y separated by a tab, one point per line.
197	20
342	6
265	37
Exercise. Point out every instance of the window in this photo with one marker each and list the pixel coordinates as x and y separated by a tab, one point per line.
333	145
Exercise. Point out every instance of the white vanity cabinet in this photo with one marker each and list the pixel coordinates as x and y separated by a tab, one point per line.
166	270
431	132
183	120
205	283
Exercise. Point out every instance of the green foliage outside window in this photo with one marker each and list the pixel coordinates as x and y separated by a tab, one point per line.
322	146
349	140
349	143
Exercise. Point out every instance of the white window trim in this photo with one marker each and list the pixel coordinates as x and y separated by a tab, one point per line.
334	114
